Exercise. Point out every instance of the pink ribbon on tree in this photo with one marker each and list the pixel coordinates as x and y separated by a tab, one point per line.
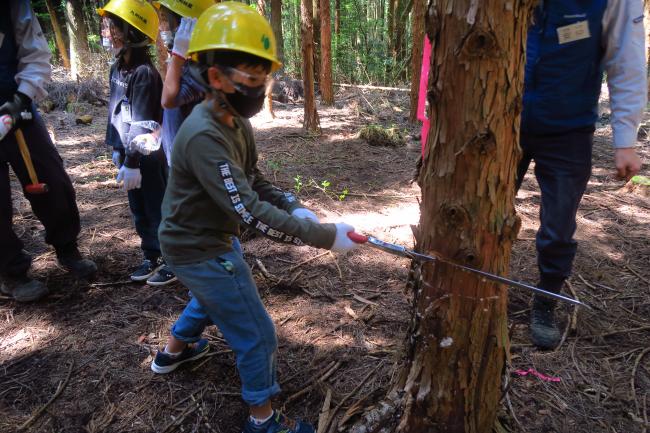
422	94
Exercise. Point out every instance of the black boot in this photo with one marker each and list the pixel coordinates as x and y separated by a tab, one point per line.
23	288
544	332
71	260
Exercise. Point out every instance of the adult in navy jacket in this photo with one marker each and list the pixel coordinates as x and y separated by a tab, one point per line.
571	44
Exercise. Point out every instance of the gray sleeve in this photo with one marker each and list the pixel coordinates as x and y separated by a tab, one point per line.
34	68
625	63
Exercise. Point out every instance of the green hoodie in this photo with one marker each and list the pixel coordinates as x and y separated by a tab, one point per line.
215	186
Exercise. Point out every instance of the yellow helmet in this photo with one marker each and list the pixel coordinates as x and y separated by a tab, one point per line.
236	27
187	8
138	13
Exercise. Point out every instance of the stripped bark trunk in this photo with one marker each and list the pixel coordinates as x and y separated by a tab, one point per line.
417	29
326	90
458	339
58	35
311	122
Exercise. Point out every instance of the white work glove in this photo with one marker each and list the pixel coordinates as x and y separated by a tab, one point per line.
116	158
342	243
143	143
131	177
182	38
305	214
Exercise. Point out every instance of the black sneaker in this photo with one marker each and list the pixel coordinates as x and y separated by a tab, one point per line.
70	259
164	363
23	289
146	270
278	424
544	332
163	277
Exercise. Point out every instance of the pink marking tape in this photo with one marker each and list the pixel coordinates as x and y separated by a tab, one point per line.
422	94
537	374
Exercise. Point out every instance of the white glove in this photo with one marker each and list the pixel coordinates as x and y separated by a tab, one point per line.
131	177
342	243
143	143
116	158
182	38
305	214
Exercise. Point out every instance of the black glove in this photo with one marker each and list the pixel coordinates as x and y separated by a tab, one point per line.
20	103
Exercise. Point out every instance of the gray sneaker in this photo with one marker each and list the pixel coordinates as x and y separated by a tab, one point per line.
23	289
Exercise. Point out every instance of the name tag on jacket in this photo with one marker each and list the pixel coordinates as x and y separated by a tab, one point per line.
573	32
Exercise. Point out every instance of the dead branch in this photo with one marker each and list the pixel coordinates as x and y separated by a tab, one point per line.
59	390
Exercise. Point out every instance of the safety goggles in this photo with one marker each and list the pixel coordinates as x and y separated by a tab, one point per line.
241	78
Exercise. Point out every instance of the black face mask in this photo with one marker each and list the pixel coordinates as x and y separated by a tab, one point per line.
246	101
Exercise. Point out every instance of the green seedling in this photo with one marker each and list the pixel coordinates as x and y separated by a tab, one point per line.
297	186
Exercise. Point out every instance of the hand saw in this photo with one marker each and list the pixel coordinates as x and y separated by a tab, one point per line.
410	254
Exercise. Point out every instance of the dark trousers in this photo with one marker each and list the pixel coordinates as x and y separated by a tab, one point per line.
562	169
56	209
146	201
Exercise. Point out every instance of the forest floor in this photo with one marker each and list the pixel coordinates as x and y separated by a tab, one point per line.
88	346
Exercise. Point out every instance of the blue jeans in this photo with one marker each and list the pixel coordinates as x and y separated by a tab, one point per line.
224	293
562	169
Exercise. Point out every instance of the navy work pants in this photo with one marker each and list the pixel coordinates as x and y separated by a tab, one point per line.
56	209
562	169
146	202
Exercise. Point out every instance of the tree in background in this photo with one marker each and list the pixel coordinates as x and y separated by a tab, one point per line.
417	30
311	121
276	25
326	90
458	338
78	35
58	35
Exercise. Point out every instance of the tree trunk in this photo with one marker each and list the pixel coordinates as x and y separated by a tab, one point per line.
401	17
58	36
326	90
276	24
311	122
297	39
458	336
79	51
417	30
337	17
316	37
646	24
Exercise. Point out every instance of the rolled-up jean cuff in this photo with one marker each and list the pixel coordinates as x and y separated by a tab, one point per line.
183	338
258	398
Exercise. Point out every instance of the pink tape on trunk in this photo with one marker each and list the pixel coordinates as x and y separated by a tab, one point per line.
537	374
422	94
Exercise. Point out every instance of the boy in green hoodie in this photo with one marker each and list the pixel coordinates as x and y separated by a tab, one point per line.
214	187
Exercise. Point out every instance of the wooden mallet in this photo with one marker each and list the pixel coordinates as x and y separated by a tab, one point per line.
35	187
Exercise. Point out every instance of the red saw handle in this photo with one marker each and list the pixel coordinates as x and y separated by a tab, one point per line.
358	238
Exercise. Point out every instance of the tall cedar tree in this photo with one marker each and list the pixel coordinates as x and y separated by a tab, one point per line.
417	29
326	90
79	50
58	35
458	338
276	24
311	122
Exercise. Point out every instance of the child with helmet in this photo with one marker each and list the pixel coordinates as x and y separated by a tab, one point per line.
180	91
135	90
214	187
